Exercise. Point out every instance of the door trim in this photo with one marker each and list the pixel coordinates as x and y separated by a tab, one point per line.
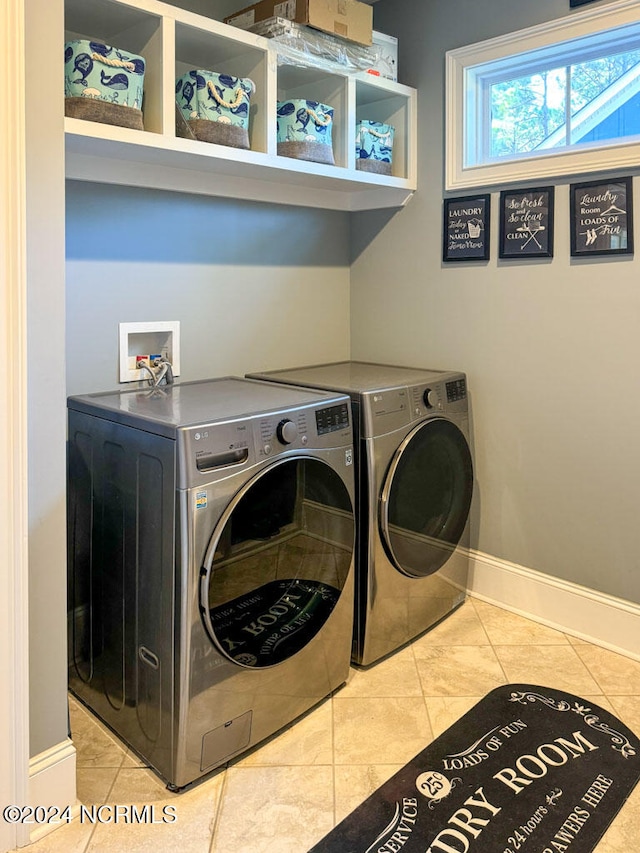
52	782
14	612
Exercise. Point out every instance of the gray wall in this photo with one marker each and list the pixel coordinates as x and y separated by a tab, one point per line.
551	347
45	376
254	286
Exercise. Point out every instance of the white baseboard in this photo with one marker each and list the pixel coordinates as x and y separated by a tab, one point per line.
581	612
52	782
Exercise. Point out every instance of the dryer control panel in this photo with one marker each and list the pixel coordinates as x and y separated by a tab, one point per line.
456	390
392	408
445	396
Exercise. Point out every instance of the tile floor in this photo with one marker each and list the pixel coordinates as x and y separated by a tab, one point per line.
287	794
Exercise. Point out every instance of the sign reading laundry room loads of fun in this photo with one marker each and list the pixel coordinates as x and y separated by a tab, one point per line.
602	218
466	228
527	769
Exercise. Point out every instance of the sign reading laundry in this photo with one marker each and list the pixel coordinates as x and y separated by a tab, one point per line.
466	228
527	769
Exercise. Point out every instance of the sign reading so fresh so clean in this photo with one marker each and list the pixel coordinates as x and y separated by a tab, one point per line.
526	223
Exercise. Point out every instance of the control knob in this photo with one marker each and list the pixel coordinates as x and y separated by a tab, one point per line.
286	431
430	398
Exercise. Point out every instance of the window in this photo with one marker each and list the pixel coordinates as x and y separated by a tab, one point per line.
553	100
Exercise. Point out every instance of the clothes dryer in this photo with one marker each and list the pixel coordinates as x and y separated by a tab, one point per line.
413	494
211	542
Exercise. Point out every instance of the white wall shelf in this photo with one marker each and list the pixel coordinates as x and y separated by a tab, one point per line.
173	40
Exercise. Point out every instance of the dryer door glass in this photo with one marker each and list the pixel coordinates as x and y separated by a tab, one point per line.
426	498
278	562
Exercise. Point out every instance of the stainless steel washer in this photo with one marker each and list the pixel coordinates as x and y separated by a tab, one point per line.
413	495
211	542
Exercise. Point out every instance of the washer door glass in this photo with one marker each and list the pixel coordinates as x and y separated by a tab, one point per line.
277	562
426	498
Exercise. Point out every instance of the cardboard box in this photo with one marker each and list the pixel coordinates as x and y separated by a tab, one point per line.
349	19
386	51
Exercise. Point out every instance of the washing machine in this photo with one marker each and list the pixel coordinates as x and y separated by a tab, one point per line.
413	495
211	563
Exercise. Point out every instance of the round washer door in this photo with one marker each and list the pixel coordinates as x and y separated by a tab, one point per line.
277	562
426	498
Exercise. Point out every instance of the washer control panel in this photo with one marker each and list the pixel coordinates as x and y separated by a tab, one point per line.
216	450
332	419
210	450
286	431
219	445
276	432
311	427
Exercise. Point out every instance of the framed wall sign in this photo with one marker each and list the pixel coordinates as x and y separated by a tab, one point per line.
602	218
466	228
526	223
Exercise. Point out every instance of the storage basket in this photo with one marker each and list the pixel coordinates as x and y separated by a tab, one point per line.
374	147
304	130
103	83
215	107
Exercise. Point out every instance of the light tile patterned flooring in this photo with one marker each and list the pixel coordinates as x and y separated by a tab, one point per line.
287	794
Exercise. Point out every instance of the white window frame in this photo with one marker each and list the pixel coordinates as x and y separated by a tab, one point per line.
550	163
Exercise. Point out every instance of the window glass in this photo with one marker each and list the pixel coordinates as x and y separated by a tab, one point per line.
526	110
557	99
530	112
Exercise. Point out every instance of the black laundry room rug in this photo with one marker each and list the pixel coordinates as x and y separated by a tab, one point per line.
527	770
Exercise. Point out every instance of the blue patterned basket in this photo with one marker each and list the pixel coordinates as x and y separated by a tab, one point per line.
103	83
214	107
304	130
374	147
